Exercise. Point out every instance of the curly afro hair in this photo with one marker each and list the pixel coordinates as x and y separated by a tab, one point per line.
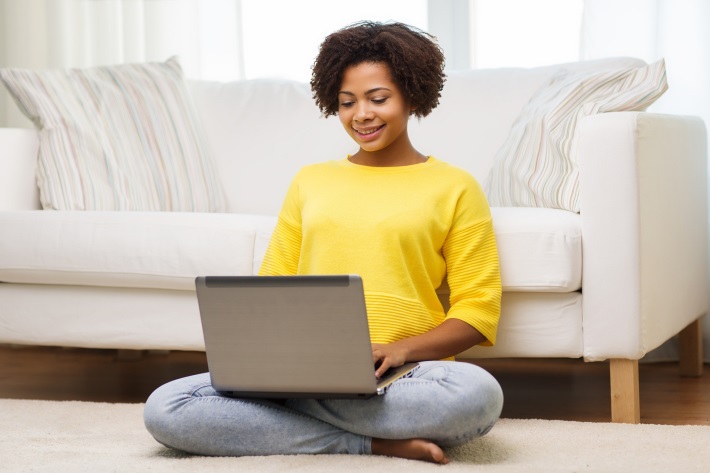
415	60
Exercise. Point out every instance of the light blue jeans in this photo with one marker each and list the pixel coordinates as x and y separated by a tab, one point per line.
446	402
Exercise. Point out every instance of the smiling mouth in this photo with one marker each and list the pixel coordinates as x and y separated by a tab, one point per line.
369	131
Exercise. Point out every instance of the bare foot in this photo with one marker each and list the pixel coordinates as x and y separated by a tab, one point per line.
412	449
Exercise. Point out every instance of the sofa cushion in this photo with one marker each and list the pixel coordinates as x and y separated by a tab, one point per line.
162	250
536	325
117	138
262	132
536	166
540	249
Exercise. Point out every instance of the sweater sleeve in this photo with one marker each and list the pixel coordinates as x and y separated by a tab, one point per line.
472	267
284	251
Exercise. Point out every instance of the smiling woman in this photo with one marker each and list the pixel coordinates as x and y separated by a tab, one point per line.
387	206
374	113
374	77
374	93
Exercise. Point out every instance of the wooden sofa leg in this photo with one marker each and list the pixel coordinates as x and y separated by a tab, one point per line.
691	350
625	402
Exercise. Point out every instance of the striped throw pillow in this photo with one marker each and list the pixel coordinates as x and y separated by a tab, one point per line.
536	165
120	137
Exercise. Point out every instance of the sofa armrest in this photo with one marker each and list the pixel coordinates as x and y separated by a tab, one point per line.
644	212
18	158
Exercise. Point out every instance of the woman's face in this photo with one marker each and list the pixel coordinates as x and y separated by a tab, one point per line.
371	107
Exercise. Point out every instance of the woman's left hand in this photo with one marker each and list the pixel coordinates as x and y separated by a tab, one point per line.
451	337
386	356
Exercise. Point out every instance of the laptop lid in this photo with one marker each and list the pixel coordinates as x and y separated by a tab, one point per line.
288	336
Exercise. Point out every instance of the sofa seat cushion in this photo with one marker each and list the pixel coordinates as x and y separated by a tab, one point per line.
160	250
536	325
540	249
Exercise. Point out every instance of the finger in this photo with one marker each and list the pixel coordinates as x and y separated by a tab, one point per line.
384	366
376	353
377	361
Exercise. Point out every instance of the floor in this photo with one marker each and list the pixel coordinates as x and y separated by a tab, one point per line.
534	388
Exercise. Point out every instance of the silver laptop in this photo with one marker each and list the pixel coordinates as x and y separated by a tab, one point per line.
289	336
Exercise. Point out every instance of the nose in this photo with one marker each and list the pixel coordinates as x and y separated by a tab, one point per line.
362	112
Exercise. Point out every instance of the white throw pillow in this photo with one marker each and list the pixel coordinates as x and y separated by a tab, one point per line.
536	165
120	137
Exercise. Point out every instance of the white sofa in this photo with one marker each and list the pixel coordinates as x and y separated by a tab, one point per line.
612	282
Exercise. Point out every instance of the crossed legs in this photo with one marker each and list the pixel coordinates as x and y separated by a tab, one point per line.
444	404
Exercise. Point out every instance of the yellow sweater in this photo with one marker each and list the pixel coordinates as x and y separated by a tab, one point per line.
403	230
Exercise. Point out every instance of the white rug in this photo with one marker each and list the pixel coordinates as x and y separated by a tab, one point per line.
80	436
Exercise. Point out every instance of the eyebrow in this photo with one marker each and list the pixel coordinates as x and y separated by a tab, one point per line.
376	89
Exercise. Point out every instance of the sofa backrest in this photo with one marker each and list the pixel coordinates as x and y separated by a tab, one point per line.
263	131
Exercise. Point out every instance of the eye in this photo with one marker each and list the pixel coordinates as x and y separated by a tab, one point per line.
346	104
379	100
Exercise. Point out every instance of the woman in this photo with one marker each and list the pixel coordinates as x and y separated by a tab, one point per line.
404	222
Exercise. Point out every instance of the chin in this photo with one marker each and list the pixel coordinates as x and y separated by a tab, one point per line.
370	147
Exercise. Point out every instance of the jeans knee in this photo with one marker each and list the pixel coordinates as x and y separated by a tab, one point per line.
478	401
164	411
490	409
156	417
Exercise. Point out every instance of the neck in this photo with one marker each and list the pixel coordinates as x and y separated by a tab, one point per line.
401	153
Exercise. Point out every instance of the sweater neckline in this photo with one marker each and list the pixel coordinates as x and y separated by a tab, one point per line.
389	169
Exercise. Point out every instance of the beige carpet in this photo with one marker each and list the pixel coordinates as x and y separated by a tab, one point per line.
79	436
